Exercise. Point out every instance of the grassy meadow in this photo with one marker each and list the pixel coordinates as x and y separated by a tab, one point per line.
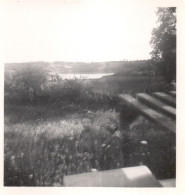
42	131
40	152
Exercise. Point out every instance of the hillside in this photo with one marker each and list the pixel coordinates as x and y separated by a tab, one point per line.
121	67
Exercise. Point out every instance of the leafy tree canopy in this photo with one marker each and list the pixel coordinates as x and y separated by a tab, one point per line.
163	42
28	81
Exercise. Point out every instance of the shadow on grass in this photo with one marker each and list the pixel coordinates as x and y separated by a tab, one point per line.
36	113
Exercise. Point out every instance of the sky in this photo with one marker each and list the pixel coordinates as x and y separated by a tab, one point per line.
77	30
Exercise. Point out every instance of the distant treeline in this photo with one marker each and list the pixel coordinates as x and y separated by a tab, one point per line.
86	67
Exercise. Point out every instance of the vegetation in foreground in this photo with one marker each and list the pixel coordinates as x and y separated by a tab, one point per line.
43	126
40	153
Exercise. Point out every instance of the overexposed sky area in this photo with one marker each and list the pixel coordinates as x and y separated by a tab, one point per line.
76	30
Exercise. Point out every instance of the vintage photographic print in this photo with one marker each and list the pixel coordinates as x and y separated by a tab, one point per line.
89	94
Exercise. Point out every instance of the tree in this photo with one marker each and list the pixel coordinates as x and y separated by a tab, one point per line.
27	82
163	42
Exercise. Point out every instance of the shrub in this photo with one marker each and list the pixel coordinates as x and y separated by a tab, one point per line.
25	84
67	91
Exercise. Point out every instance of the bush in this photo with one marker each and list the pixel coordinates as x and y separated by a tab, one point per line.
26	84
65	92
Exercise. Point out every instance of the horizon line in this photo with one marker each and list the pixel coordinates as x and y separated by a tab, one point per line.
88	62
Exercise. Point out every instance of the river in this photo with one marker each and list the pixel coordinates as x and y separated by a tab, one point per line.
71	76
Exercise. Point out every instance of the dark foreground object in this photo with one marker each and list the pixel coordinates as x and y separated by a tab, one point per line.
158	108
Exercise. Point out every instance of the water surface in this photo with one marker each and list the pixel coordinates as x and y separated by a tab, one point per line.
71	76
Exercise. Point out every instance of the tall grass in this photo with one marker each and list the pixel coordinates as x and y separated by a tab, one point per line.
42	130
41	154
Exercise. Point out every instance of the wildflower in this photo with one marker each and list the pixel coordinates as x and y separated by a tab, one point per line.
144	142
93	170
30	176
57	147
117	134
12	158
71	138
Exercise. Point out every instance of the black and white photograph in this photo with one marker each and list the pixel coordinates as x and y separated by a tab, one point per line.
89	93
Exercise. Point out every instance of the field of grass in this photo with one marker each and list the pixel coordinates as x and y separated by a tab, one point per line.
42	135
127	84
40	152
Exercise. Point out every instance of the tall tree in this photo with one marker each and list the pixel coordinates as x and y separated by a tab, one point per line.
163	42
